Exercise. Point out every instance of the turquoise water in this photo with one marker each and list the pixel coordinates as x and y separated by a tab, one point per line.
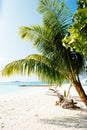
11	87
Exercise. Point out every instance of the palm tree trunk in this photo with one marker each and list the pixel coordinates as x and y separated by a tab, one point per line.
80	91
76	82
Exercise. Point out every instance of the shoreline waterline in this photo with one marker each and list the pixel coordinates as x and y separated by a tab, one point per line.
11	87
34	109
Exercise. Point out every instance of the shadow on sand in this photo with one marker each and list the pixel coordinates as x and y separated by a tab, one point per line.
77	121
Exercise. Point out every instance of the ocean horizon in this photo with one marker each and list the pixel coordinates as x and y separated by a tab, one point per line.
9	87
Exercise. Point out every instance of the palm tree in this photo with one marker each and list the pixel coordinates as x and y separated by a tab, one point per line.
55	63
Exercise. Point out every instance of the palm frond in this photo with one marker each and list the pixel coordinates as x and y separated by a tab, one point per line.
33	32
55	15
42	38
51	66
48	38
37	64
45	69
12	68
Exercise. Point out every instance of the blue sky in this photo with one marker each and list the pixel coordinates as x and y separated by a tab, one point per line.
14	14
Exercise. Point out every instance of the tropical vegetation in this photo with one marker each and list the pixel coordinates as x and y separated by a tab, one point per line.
58	60
77	33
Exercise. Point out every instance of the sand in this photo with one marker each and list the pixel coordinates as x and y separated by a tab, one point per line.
35	109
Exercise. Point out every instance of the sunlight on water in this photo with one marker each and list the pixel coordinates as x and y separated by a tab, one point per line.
12	87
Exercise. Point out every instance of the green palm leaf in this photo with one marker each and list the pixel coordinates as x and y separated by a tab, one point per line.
55	15
37	64
52	65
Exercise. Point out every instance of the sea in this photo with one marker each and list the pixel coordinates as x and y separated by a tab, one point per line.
11	87
18	86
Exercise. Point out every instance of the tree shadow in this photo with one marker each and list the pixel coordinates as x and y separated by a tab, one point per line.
77	121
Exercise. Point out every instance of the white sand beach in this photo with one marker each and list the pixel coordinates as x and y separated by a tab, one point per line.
35	109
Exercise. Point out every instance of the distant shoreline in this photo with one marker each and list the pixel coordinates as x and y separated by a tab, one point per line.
41	85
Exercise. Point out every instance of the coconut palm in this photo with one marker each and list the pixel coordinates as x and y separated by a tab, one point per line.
55	63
